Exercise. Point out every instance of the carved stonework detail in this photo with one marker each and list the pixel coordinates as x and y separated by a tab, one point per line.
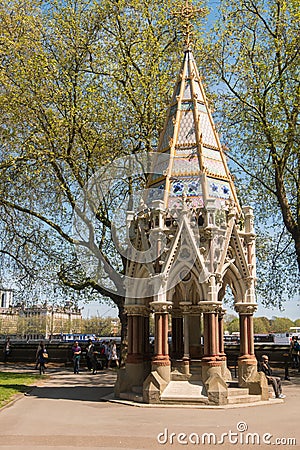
137	310
161	307
245	308
210	307
212	363
161	361
185	306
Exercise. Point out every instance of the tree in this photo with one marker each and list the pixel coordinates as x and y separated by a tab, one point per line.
256	55
228	318
261	325
281	324
234	325
81	84
100	326
84	83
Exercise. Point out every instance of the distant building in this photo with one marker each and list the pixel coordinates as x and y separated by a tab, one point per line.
49	321
8	315
37	321
6	296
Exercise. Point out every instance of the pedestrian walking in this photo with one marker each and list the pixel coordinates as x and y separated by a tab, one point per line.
42	358
265	367
76	350
113	354
91	357
6	349
37	355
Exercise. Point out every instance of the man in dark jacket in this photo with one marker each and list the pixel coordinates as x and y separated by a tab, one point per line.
264	367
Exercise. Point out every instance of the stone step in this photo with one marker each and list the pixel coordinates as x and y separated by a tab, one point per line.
184	392
237	399
131	396
236	391
184	401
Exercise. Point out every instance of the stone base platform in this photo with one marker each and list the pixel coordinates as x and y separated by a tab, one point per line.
192	393
184	392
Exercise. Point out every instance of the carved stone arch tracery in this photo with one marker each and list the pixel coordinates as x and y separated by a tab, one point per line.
233	279
187	283
178	295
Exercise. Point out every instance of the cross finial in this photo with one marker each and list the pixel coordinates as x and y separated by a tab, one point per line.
186	13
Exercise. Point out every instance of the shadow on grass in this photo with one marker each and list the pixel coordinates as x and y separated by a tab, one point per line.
18	388
9	391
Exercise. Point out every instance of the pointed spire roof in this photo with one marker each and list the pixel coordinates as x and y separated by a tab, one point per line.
190	161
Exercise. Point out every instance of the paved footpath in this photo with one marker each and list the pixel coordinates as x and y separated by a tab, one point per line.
68	411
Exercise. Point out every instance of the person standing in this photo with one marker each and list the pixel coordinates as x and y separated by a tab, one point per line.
42	357
113	354
37	355
6	349
294	352
89	354
76	350
265	367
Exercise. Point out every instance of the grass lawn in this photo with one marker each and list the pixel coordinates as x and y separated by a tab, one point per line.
14	383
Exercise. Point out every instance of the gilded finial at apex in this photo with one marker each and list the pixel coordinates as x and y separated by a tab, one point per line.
187	13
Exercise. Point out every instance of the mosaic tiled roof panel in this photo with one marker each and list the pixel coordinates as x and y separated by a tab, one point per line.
185	166
161	163
212	154
214	167
194	202
193	145
169	132
198	92
187	94
218	188
187	128
156	192
187	151
208	136
189	186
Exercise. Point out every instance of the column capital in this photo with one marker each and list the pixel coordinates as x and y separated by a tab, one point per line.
161	307
195	310
210	307
137	310
185	307
245	308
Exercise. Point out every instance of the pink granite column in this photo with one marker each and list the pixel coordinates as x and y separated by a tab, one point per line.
243	334
212	340
250	328
206	335
247	362
136	334
221	332
161	359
